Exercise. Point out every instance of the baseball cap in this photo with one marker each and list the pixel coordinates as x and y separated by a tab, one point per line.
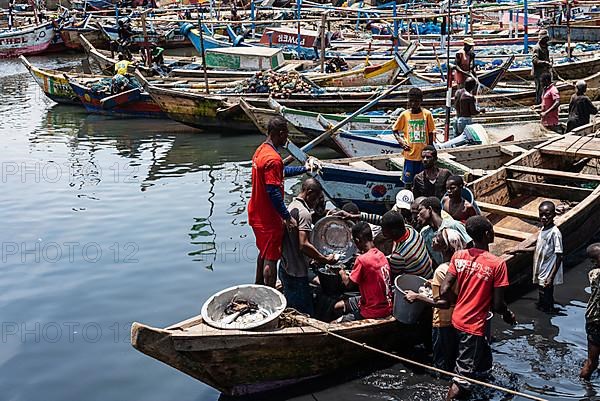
404	199
469	41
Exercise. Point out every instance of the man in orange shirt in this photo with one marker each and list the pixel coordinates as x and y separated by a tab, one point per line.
414	130
267	212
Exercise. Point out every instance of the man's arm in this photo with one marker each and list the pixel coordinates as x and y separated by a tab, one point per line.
555	105
291	171
550	280
309	249
446	292
500	307
276	198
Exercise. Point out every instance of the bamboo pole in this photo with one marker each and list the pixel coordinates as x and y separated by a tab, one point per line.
203	51
449	71
323	25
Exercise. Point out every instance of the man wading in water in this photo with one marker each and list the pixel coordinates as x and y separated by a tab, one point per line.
266	211
480	278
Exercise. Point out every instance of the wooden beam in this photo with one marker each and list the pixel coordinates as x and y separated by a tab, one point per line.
554	173
548	190
507	211
511	234
512	150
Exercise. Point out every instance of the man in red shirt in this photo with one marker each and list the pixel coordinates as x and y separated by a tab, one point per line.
371	273
550	104
480	278
464	62
267	212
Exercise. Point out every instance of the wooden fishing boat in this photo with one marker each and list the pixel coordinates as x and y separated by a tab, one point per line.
198	110
239	362
53	83
372	182
131	103
579	33
34	39
562	170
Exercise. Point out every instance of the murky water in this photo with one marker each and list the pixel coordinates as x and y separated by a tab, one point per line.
108	221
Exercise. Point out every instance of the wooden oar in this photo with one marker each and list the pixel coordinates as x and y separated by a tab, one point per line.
325	135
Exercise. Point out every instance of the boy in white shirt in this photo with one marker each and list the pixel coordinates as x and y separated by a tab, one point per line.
547	257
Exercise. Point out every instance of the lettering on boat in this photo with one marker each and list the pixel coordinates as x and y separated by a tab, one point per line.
291	39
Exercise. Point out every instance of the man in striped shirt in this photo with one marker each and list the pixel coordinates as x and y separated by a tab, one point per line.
409	255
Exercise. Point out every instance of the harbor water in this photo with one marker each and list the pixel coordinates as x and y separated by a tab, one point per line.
109	221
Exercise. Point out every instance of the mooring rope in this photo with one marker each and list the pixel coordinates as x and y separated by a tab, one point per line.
409	361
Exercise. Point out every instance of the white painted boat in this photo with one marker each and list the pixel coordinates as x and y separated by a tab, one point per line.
32	39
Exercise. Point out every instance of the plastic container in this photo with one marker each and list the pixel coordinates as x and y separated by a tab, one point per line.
403	311
330	280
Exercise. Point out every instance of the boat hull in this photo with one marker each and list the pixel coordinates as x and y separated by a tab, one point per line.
142	107
243	363
33	40
53	83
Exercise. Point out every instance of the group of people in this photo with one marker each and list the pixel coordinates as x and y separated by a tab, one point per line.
547	96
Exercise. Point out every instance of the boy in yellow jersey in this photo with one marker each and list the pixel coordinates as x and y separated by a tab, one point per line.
122	65
414	130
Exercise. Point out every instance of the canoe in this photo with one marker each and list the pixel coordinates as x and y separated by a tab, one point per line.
591	34
197	109
53	83
128	104
372	182
240	363
558	170
33	39
70	37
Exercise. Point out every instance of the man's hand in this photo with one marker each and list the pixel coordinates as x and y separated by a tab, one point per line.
548	282
290	223
509	317
482	110
344	215
313	164
332	259
411	296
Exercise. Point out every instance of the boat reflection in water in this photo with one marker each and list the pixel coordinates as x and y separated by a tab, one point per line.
151	153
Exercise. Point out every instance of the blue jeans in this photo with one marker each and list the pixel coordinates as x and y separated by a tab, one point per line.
461	124
445	347
297	292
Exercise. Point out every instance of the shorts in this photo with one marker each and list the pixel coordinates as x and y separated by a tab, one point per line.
444	343
474	359
592	330
411	168
268	242
351	310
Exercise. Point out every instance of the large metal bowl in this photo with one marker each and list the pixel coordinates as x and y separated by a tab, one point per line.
267	298
333	235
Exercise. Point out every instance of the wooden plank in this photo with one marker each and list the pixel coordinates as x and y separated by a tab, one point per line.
507	233
555	173
548	190
362	165
512	150
507	211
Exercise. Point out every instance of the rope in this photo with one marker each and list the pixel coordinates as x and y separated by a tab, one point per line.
415	363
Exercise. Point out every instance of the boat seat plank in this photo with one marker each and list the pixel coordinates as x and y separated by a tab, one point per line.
554	173
397	162
362	165
548	190
507	211
512	150
507	233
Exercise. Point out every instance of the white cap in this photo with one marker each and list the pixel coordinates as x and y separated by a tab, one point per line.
404	199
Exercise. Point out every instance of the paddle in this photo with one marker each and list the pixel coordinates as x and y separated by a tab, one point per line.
331	131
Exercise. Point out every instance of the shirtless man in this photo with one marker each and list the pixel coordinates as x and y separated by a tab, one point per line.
454	204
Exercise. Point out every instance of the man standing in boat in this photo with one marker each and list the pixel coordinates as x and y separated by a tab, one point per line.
540	63
480	278
550	105
414	130
266	210
297	249
464	62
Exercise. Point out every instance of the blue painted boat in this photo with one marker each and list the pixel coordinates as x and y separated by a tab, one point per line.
132	103
210	42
